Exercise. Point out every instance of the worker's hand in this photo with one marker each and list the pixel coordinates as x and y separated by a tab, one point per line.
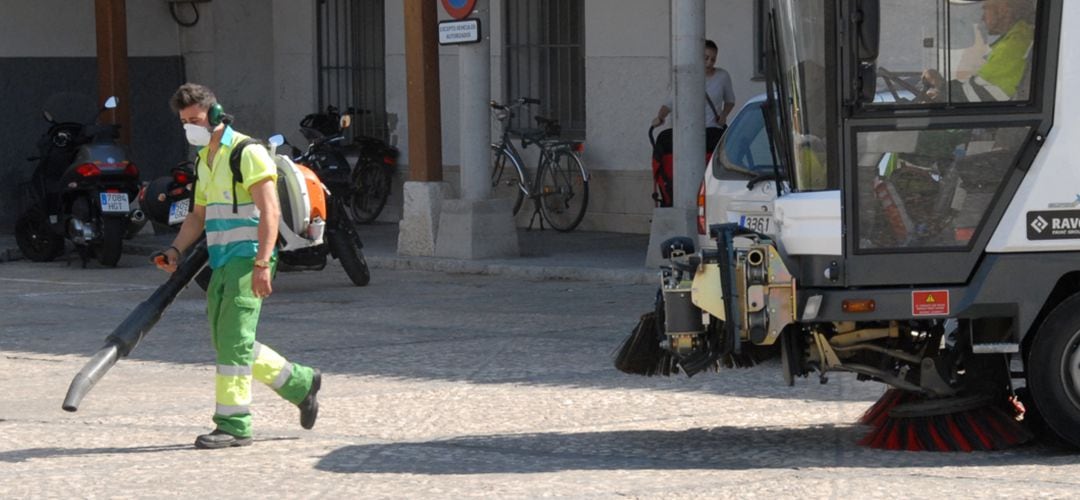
933	82
260	282
167	259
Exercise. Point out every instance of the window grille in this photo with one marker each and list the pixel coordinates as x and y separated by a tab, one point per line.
545	59
352	61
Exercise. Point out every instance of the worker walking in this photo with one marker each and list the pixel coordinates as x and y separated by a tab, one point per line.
241	224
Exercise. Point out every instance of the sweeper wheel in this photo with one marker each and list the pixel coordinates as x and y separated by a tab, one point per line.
1053	371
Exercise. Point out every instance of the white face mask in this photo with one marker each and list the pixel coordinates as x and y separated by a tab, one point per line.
197	135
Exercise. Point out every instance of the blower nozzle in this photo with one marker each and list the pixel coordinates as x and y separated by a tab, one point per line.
135	326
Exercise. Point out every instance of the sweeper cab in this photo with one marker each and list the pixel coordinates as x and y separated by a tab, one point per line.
930	241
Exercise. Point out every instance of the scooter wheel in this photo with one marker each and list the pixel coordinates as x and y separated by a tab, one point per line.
112	241
35	238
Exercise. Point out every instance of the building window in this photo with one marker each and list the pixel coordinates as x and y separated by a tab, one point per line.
545	59
352	62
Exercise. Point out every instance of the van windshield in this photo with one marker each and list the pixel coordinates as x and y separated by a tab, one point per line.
745	148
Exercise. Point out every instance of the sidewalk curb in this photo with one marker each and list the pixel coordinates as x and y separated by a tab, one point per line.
567	273
435	264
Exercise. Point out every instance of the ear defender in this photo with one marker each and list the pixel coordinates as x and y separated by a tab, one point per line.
215	115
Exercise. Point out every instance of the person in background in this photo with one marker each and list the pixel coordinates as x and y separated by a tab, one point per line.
719	99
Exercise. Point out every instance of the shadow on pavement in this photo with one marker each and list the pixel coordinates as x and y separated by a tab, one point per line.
718	448
15	456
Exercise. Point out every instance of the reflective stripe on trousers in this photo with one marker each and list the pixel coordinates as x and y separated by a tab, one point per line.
233	312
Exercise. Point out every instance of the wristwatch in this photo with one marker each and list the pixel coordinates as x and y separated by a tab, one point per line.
262	263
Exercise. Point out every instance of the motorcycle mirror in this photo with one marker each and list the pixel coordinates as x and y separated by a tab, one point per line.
346	121
111	102
275	141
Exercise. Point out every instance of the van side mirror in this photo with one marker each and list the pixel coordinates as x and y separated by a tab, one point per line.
867	21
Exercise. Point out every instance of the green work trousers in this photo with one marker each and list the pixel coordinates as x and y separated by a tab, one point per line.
233	311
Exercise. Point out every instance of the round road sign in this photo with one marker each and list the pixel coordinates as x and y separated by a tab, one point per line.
459	9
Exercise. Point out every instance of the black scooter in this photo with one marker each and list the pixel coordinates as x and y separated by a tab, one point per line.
82	189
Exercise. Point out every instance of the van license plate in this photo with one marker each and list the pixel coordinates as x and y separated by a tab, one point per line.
756	223
112	203
178	211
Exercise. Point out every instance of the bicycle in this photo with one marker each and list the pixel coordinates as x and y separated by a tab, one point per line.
560	190
372	175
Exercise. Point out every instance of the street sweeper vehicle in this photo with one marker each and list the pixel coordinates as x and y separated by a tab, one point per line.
930	242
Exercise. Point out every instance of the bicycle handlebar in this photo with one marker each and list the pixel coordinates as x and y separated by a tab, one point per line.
521	101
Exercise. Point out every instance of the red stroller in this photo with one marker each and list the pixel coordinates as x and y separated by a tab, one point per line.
662	148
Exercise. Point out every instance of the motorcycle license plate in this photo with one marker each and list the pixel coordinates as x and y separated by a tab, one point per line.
757	223
179	210
114	203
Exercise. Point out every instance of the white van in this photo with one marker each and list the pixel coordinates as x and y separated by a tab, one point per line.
739	183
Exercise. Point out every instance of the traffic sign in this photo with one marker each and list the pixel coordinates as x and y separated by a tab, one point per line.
458	32
459	9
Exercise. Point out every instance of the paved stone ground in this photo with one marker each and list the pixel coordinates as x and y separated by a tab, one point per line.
438	386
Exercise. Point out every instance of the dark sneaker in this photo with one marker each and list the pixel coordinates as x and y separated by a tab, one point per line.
220	439
309	407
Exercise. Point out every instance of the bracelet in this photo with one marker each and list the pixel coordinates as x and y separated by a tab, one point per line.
178	252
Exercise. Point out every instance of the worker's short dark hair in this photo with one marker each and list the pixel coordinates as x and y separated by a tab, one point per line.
1020	10
709	44
1023	10
192	93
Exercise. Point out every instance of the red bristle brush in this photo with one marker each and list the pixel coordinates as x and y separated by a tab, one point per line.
876	414
966	423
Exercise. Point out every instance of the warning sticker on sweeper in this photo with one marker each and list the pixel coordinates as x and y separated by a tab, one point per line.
930	303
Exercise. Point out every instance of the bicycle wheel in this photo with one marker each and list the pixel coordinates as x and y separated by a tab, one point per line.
506	181
564	190
371	188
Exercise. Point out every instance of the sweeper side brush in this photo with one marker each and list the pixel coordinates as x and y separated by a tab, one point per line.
125	337
878	414
641	354
905	421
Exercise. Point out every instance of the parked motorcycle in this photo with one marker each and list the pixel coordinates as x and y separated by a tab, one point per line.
306	237
371	178
323	157
81	190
